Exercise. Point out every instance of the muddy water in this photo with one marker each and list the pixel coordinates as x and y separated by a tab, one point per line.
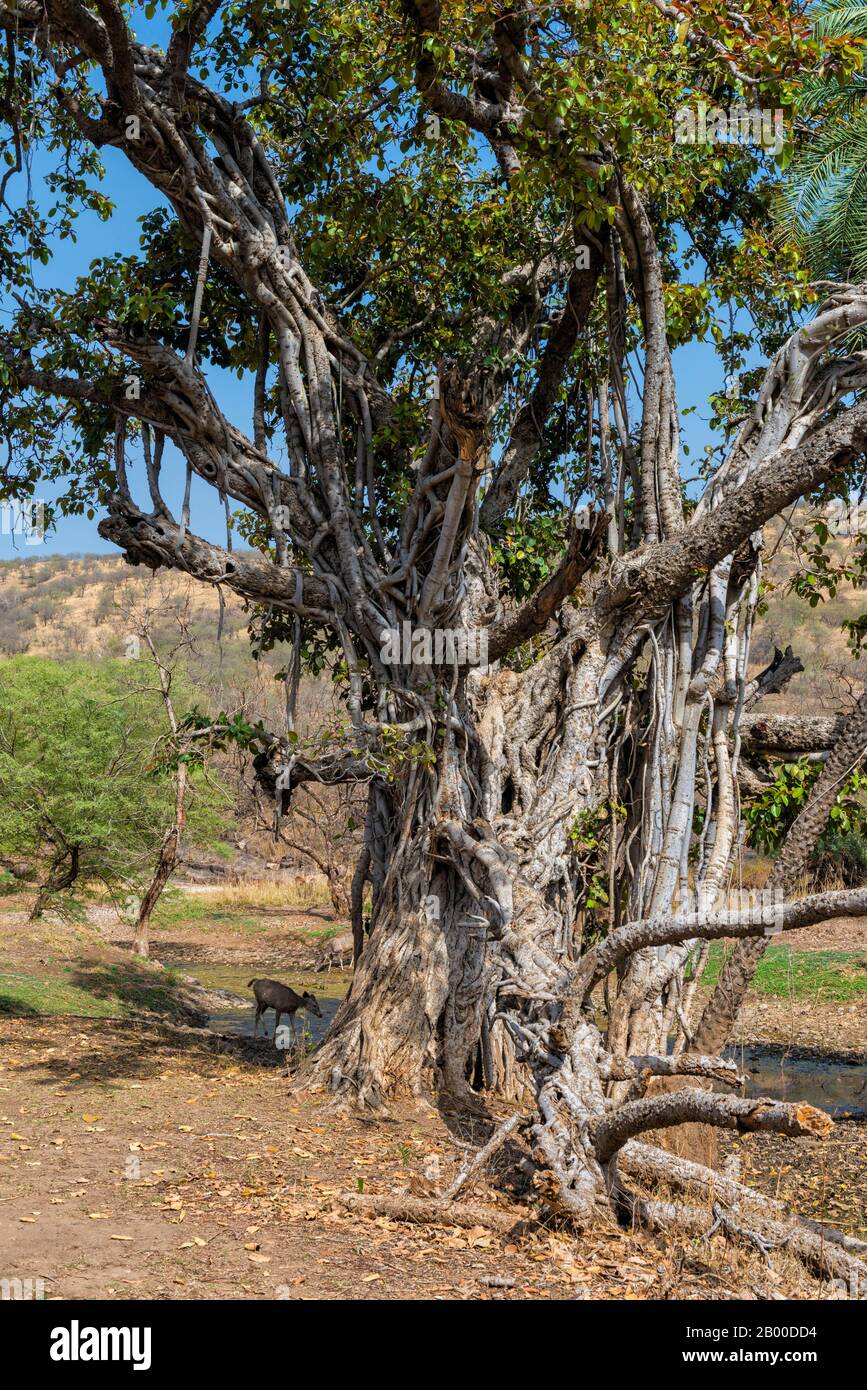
833	1084
329	989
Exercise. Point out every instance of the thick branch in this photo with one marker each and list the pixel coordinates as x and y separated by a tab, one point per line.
791	734
685	1064
827	1251
702	1107
157	541
669	570
189	26
774	678
653	1165
706	925
530	425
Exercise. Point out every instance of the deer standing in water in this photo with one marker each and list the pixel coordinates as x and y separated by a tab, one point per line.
270	994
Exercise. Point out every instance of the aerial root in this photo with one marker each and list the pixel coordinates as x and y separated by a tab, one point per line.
743	1214
474	1164
764	1244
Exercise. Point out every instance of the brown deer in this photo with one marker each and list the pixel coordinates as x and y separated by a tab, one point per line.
334	950
270	994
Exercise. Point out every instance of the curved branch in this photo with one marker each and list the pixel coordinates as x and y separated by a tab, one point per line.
651	581
703	1107
707	926
158	541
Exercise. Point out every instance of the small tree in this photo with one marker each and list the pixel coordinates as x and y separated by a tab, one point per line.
321	827
142	621
81	798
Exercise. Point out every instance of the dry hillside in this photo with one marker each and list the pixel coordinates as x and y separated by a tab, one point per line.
64	606
80	606
833	676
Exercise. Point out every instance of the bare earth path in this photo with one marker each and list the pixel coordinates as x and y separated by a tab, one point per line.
133	1171
138	1164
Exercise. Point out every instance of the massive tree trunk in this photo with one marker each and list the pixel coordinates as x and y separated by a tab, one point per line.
473	885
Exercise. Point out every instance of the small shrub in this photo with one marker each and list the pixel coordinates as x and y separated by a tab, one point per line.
841	853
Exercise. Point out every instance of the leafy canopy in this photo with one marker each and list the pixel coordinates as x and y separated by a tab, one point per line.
79	749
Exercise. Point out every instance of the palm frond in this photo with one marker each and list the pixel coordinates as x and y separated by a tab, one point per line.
838	17
823	204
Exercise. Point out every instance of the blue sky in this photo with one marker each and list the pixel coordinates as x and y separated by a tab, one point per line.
132	197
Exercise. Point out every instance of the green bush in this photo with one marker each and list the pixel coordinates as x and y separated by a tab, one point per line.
80	767
842	848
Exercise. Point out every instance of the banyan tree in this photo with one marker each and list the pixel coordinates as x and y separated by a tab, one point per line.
455	255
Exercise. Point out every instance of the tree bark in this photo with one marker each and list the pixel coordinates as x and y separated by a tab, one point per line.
166	865
62	875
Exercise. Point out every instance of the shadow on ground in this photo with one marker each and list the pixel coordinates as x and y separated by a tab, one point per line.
134	986
121	1049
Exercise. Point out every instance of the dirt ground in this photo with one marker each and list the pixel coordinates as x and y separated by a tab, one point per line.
845	934
133	1167
138	1163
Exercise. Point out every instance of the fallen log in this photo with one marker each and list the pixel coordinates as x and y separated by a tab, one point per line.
434	1211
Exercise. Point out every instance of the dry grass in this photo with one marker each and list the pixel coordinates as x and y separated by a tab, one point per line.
302	891
754	871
